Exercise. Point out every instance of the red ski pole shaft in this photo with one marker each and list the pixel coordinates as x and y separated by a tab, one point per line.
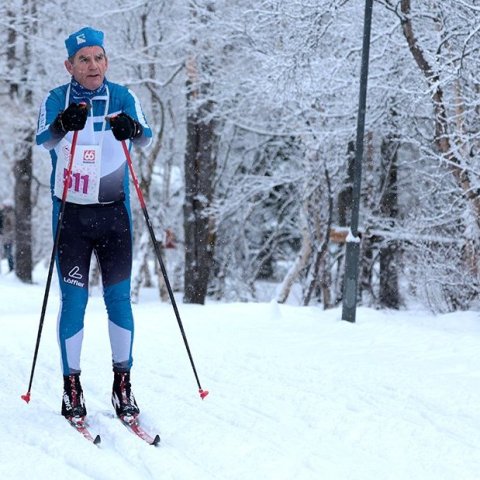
66	185
203	393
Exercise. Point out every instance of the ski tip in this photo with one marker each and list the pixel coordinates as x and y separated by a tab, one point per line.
97	440
156	440
26	397
203	393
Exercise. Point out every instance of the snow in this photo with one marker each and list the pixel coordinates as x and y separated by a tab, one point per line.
295	393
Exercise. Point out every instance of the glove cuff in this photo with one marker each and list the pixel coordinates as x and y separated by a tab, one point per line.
138	130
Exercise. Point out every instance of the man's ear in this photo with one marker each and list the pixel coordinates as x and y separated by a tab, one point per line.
69	67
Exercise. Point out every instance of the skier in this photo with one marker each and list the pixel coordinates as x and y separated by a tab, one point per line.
97	216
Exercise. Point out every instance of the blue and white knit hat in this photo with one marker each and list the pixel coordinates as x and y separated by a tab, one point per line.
86	37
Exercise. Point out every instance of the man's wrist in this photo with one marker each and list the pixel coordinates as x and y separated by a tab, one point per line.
56	127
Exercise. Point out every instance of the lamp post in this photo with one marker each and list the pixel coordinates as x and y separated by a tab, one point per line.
353	240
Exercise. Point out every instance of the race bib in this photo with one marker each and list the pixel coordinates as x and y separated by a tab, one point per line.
84	183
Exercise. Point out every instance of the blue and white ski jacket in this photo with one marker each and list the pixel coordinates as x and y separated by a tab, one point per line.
111	99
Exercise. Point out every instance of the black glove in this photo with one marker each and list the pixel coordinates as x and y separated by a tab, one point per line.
124	127
71	119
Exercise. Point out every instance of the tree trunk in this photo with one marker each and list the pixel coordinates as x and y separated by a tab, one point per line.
319	277
294	272
345	195
23	208
368	247
140	272
199	177
389	292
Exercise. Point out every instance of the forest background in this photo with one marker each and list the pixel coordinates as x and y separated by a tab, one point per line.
253	106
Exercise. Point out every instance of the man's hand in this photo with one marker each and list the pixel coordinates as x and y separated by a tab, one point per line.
125	127
71	119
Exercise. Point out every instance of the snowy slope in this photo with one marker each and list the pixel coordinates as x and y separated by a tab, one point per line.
295	393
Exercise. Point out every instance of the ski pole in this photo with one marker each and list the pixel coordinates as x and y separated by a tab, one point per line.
66	184
203	393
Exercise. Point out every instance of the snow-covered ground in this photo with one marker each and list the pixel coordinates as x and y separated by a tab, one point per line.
295	393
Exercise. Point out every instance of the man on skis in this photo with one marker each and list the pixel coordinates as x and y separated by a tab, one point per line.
97	217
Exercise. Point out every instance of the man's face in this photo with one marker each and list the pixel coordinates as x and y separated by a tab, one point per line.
88	67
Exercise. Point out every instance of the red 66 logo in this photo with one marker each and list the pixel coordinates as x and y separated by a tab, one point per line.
89	156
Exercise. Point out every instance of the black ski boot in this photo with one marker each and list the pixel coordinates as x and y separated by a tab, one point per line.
73	403
122	397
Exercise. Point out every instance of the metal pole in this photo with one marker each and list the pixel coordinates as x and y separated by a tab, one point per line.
353	240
